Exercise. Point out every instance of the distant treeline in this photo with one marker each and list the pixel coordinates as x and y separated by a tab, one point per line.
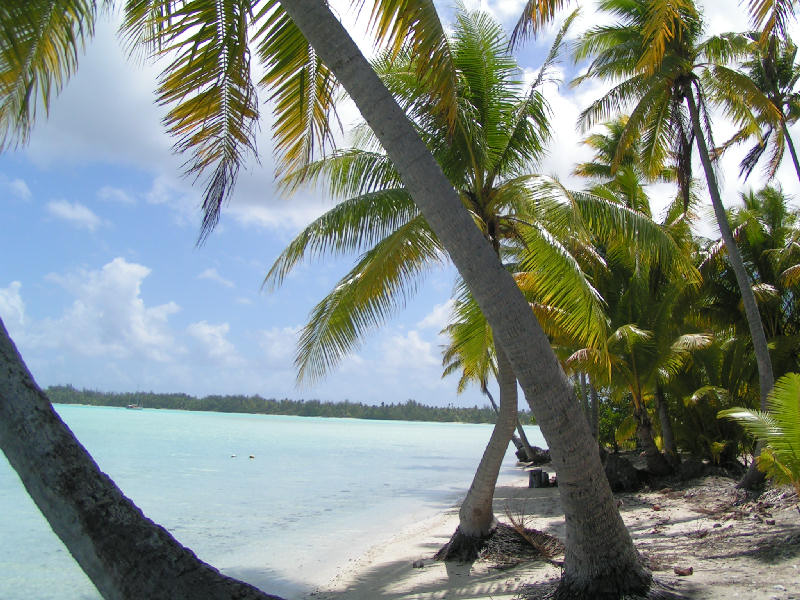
407	411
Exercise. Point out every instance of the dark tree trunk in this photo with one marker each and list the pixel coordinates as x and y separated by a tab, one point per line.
600	556
753	477
656	463
124	553
476	520
790	144
595	412
670	451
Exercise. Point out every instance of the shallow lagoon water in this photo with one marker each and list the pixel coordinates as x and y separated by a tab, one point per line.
318	493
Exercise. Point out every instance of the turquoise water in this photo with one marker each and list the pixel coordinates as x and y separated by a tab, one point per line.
317	493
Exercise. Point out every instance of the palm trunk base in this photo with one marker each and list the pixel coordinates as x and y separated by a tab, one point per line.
462	547
654	590
753	480
628	583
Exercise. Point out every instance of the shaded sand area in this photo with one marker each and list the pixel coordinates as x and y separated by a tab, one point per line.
736	548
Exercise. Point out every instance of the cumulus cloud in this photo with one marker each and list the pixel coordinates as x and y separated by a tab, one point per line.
16	188
439	317
12	308
75	214
212	339
408	352
109	317
213	275
112	194
278	345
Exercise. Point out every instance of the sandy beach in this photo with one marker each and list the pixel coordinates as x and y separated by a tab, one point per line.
736	548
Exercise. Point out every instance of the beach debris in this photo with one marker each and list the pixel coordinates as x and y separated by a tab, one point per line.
770	521
418	564
683	571
656	507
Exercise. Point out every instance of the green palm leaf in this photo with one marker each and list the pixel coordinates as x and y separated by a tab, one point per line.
380	283
351	226
213	107
779	429
39	45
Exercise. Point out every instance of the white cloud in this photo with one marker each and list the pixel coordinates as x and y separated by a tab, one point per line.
12	308
407	353
16	187
213	342
112	194
439	317
279	344
212	275
108	316
75	214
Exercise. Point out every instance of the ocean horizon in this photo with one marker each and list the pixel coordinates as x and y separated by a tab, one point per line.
317	492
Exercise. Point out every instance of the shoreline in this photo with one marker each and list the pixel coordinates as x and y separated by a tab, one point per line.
736	548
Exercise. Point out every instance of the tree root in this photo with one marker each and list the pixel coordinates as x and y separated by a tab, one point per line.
505	546
553	590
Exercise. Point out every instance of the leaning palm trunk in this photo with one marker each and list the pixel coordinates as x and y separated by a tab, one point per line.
520	442
476	520
763	361
790	144
600	559
126	555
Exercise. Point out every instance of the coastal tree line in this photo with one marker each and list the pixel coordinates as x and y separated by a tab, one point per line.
662	70
411	410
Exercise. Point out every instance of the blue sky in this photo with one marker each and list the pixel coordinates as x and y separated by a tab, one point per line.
102	286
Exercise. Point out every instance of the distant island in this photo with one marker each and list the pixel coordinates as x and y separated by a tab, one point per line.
406	411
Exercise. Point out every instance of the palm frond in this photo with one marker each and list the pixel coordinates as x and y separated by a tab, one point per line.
665	20
535	15
303	89
414	26
351	226
213	107
40	41
380	284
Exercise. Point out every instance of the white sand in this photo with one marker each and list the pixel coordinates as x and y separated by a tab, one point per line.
734	551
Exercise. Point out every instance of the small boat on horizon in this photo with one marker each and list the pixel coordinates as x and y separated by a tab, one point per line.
135	406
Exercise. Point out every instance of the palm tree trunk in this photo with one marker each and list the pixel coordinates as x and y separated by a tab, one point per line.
584	395
792	151
763	361
595	411
476	520
670	451
125	554
600	554
656	463
522	440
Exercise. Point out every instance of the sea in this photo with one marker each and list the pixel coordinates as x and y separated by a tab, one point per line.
280	502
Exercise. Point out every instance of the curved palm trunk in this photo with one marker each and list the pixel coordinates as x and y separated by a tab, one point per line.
476	519
522	440
125	554
792	151
600	559
763	361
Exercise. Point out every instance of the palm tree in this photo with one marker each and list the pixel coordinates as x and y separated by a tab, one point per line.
775	73
600	554
659	85
124	553
778	429
500	130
